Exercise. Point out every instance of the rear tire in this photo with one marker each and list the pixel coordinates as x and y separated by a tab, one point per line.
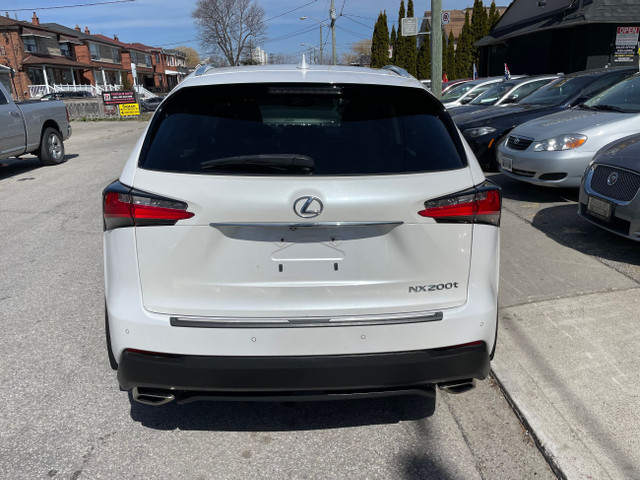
51	150
112	359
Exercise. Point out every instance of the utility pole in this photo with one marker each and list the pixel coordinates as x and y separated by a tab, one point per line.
436	48
321	59
332	12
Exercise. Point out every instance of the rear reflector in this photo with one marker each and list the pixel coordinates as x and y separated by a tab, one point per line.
124	207
478	205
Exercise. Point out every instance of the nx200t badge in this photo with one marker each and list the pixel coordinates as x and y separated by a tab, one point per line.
308	207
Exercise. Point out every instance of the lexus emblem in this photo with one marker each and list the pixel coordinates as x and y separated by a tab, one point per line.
308	207
612	179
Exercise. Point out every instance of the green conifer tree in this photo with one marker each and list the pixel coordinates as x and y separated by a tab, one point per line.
465	51
479	26
411	62
393	41
451	52
400	57
424	59
380	42
494	15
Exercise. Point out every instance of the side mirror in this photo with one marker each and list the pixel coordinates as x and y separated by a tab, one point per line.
510	99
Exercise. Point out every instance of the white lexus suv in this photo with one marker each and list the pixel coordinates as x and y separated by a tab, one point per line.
289	232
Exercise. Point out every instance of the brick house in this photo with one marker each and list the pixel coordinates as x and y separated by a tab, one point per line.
51	57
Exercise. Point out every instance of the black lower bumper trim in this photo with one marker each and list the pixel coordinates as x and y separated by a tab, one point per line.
343	373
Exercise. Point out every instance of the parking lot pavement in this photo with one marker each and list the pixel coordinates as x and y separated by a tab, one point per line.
567	349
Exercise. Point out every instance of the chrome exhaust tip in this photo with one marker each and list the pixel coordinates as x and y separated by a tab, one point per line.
152	397
460	386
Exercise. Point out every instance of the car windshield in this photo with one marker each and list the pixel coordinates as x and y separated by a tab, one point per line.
622	97
456	92
493	94
311	129
558	92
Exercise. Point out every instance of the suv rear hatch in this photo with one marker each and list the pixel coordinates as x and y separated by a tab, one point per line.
308	201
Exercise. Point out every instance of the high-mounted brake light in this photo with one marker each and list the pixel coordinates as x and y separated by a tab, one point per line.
124	208
479	205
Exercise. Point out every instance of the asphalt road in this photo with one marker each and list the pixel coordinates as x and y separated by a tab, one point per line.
62	414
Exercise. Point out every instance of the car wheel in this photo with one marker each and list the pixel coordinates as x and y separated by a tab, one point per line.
112	359
51	150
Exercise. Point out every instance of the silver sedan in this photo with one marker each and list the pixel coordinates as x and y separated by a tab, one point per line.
554	150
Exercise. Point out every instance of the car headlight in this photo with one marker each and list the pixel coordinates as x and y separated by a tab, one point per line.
562	142
478	131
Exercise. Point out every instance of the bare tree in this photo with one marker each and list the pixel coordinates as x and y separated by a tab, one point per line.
193	58
224	26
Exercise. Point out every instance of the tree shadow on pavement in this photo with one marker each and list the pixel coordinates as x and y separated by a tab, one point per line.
281	416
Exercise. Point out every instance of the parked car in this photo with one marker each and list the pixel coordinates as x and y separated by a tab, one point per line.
554	150
273	233
609	190
65	95
485	129
426	83
150	104
503	93
33	127
467	91
448	85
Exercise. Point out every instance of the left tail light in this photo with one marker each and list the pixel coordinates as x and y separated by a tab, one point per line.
126	207
481	204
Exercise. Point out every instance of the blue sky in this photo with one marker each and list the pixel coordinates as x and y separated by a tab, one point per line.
168	23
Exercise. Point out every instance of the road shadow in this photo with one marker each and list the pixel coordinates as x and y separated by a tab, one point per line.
282	416
562	224
17	166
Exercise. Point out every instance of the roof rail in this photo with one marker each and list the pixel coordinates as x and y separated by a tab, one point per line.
202	69
400	71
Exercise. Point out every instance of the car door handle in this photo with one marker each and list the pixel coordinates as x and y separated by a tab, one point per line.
15	114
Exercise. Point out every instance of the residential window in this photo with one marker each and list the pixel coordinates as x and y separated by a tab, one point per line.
147	60
95	51
115	55
157	58
30	44
65	49
134	57
172	61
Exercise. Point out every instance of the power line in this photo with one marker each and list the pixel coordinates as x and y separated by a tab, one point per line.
293	10
359	23
355	34
65	6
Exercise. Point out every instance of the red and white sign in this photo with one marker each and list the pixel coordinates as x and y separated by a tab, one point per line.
627	36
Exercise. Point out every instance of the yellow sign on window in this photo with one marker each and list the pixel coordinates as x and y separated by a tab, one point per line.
128	109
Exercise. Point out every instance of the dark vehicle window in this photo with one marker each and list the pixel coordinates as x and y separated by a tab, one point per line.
3	100
302	129
603	83
623	97
558	92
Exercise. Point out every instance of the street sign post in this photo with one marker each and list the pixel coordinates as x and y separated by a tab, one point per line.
409	26
446	18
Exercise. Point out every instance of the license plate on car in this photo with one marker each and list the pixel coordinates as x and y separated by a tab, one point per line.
507	164
600	208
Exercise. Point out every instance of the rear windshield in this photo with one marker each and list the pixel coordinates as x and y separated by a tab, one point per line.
310	129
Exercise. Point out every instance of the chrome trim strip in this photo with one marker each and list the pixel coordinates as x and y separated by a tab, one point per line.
195	322
306	225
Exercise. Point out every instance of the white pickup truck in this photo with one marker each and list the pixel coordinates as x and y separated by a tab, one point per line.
33	127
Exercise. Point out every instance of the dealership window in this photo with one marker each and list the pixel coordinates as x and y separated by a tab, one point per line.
95	51
30	44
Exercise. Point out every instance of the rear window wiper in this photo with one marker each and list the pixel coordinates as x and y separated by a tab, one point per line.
611	108
284	162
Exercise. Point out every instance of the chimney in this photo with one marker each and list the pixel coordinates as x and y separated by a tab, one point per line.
78	28
86	30
35	20
115	37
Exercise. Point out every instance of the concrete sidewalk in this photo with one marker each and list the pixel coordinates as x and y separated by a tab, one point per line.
567	354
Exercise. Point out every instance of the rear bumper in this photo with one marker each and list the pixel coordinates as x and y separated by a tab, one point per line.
326	373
